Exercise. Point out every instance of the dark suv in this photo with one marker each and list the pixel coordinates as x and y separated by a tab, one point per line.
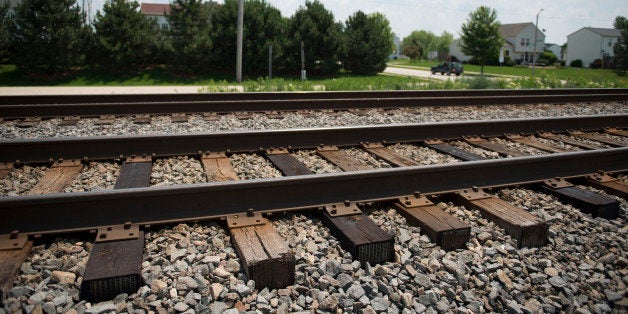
448	68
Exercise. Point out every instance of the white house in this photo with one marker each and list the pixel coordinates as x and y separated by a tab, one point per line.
518	42
590	43
397	51
555	49
157	11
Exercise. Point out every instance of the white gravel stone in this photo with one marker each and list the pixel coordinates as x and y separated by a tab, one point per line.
95	176
315	162
423	155
21	180
177	170
253	166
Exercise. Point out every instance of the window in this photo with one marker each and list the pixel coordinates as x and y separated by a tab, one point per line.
523	41
527	41
164	26
610	42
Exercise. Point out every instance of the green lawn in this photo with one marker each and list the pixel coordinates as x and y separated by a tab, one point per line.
561	73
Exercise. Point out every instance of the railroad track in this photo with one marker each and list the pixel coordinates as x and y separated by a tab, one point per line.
71	107
133	206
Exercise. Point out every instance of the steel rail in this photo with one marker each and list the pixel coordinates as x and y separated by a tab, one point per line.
112	147
55	213
261	105
191	97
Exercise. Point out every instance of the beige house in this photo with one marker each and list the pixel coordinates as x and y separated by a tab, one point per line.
518	43
590	43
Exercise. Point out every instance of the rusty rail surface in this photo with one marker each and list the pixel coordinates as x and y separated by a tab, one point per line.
94	105
112	147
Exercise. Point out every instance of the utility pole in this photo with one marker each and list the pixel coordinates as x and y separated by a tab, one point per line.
303	76
239	43
270	62
536	30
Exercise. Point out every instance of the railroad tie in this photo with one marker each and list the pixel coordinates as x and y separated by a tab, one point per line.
29	122
5	168
218	168
498	148
442	228
528	229
597	205
599	138
142	119
115	262
265	256
615	131
567	140
14	249
105	119
273	115
358	234
286	163
340	158
58	177
389	155
459	153
535	143
244	115
608	184
70	120
210	116
178	118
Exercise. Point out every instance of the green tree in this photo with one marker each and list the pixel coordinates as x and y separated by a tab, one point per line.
548	56
5	34
442	44
49	36
621	47
125	38
411	46
369	42
191	34
321	35
480	36
263	27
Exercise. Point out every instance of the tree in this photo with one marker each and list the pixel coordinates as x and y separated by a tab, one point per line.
191	34
5	34
549	57
369	42
321	35
125	38
263	27
621	47
49	36
412	47
442	44
480	36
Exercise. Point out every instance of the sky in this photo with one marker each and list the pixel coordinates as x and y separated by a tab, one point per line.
559	18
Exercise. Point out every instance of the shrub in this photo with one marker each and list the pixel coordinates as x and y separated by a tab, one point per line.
575	63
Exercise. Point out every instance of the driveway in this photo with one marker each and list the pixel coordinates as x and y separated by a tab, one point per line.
418	73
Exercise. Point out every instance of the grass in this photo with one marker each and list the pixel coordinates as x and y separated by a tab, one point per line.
560	73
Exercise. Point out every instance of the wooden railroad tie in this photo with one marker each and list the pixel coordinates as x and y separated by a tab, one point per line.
218	168
599	138
244	115
265	256
210	116
341	159
273	115
58	177
105	119
286	163
14	249
442	228
618	132
70	120
528	229
29	122
142	119
500	149
567	140
597	205
459	153
358	234
608	184
5	168
535	143
389	155
115	262
178	118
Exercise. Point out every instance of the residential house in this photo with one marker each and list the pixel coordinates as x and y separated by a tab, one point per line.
589	44
397	50
157	11
555	49
518	43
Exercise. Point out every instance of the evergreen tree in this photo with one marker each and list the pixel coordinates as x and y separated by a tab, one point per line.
369	42
411	46
5	34
125	38
263	27
314	25
49	36
480	36
190	22
621	47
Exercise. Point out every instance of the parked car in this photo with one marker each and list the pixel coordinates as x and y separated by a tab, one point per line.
448	68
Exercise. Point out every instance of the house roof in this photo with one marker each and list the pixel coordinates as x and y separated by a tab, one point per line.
606	32
155	8
511	30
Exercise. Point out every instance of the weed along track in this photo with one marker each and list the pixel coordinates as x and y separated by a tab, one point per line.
485	215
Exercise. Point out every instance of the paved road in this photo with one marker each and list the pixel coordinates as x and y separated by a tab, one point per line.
98	90
418	73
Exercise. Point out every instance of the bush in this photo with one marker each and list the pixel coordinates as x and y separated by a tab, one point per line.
544	62
575	63
549	56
